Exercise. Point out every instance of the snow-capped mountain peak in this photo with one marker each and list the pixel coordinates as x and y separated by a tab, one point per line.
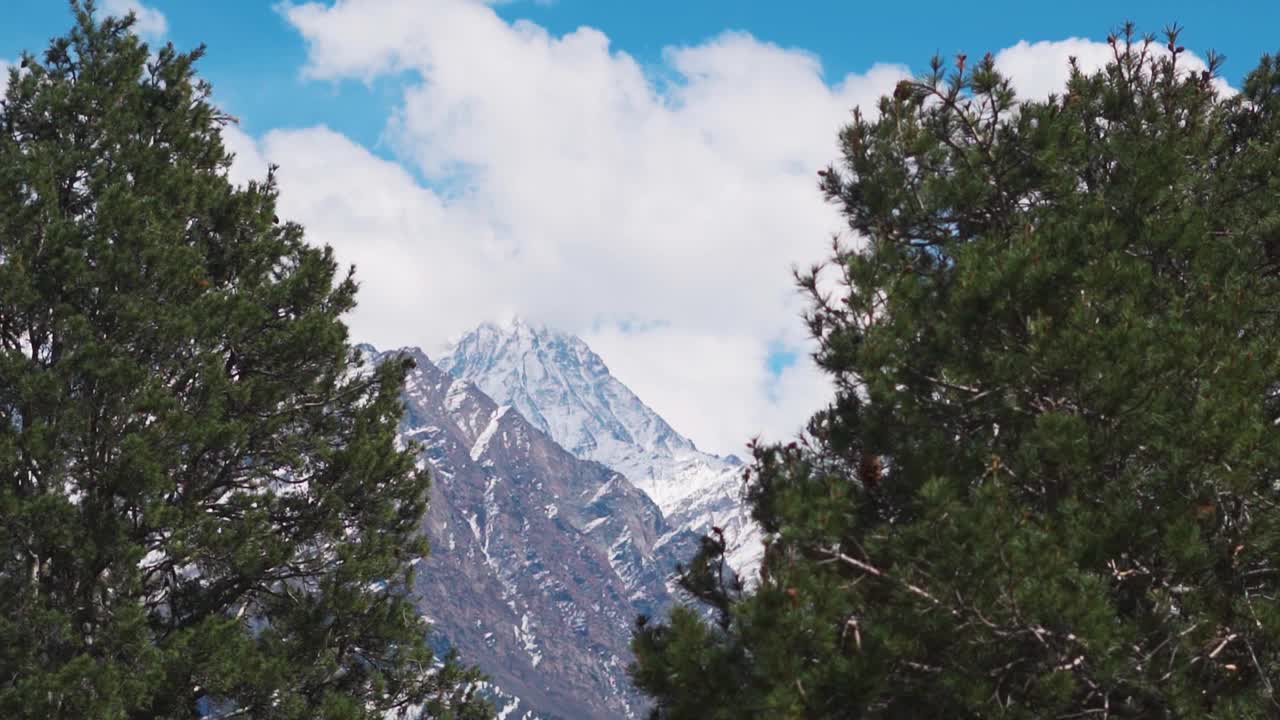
540	560
563	388
560	385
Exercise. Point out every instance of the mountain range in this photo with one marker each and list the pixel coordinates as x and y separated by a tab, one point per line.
560	507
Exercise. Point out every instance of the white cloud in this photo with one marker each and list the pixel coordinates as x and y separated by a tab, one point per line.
249	162
5	65
1040	68
719	383
571	184
151	22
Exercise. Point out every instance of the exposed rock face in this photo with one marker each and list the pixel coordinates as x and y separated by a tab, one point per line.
540	560
564	389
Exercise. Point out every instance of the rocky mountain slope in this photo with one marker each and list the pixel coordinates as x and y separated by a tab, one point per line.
564	389
540	560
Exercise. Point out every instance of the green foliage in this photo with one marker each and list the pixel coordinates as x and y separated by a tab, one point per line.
202	508
1048	486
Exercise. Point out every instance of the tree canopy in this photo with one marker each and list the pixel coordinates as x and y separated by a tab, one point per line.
1049	483
203	510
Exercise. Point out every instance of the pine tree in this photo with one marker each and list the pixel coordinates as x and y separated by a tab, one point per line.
1049	483
203	511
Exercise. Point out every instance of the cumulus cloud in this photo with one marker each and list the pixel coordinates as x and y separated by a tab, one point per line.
151	22
1040	68
656	210
249	164
719	382
5	66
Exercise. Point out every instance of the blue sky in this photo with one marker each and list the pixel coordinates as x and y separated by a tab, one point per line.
255	57
639	173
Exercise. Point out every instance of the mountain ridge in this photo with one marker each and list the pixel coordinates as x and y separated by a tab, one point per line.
541	560
564	388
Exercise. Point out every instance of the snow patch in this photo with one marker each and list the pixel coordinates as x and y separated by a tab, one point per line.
527	640
482	441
